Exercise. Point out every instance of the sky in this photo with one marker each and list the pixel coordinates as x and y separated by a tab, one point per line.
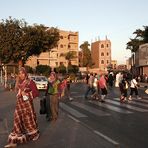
93	19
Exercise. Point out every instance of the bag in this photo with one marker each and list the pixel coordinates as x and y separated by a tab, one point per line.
146	91
43	106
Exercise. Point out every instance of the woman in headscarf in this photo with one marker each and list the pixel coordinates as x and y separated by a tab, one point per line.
25	126
53	91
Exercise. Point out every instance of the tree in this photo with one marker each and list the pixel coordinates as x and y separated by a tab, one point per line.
86	54
19	41
61	69
43	69
141	37
69	56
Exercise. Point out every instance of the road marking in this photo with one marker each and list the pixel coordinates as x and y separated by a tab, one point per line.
113	108
73	118
90	109
134	102
126	105
141	100
107	138
71	110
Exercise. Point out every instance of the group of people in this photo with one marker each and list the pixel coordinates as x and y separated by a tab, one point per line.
123	83
97	85
25	127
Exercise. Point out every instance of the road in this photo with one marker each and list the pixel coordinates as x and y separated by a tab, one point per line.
86	123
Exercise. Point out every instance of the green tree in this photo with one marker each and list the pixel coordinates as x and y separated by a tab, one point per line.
69	56
61	69
19	41
43	69
73	69
86	55
141	37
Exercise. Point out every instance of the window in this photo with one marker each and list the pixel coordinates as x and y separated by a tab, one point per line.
61	63
102	46
61	46
102	53
102	61
107	45
61	37
107	54
107	61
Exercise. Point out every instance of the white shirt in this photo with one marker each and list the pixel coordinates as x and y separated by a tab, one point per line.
133	83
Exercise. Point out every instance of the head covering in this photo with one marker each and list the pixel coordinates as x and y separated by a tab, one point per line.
21	83
53	73
23	70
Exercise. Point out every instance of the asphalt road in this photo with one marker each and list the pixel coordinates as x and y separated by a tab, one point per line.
86	123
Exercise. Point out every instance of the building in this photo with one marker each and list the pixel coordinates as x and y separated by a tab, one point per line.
122	67
141	60
114	64
101	54
56	56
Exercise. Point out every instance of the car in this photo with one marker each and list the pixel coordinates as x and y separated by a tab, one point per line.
40	81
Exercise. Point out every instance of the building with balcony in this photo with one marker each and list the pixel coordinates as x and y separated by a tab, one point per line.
56	56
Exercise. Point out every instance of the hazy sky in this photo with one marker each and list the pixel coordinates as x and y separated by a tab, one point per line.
93	19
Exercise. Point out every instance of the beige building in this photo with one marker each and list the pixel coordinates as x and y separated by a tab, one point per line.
101	54
55	57
114	64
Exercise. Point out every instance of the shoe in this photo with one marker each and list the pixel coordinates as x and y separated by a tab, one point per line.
86	98
102	101
11	145
70	99
36	137
130	98
139	98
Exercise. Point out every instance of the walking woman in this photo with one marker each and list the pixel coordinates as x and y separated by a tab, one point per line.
25	126
53	91
103	87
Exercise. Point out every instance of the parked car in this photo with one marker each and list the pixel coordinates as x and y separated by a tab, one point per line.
40	81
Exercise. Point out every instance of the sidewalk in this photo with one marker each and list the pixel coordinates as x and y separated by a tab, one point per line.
64	133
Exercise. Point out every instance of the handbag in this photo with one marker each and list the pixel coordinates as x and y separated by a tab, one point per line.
43	105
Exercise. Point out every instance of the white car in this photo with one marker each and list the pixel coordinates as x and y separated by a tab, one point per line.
40	81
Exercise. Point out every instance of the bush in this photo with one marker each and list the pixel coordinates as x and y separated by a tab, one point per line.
43	70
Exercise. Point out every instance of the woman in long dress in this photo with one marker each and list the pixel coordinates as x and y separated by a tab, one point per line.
25	126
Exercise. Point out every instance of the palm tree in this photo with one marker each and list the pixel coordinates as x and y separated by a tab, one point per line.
69	56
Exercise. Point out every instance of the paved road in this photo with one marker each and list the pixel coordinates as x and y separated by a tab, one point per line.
86	123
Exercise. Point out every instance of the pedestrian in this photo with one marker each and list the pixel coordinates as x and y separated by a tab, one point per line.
134	88
25	126
95	95
90	87
111	79
67	82
53	91
103	87
47	96
123	86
